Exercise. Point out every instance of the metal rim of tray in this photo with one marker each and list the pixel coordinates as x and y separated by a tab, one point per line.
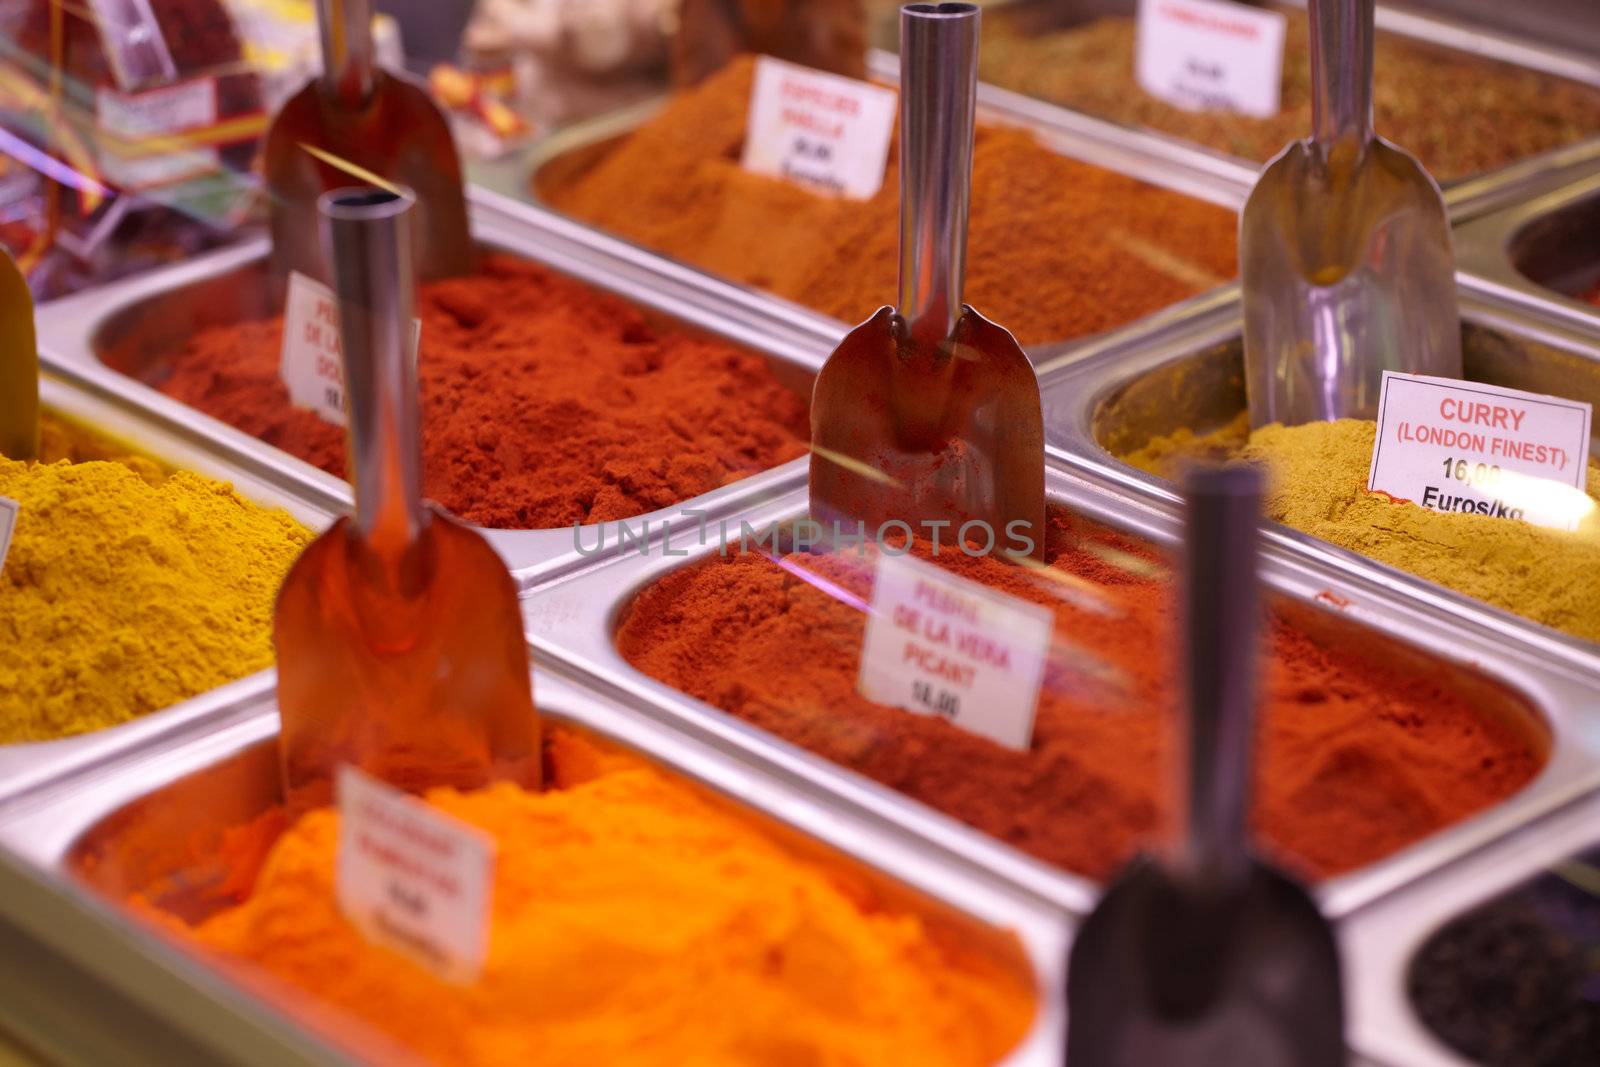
1485	256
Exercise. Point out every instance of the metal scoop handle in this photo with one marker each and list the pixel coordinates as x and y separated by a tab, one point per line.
938	105
1341	70
1221	615
349	69
369	233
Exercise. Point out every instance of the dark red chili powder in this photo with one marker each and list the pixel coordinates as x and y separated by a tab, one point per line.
1356	758
544	402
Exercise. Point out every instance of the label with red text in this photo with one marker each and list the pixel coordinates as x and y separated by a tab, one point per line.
8	523
413	879
1452	445
1211	55
312	363
941	645
817	129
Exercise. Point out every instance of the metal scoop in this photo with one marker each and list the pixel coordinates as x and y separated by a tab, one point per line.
355	119
19	365
1213	958
931	413
399	643
1344	249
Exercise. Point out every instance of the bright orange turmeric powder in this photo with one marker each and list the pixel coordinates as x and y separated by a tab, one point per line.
636	922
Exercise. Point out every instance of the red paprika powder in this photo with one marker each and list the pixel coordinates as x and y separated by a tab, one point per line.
544	402
1356	756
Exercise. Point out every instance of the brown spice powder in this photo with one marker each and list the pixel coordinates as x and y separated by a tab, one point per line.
1459	114
1056	248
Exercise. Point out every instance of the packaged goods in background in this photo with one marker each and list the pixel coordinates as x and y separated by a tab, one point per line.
633	921
1318	485
1514	981
1459	114
127	589
1056	248
145	119
544	402
1359	756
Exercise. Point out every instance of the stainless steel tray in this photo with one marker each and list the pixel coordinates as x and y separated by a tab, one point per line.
76	854
574	621
141	319
1190	373
24	767
518	181
1380	942
1466	198
1539	255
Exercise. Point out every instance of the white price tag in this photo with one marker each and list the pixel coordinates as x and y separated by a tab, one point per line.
412	879
312	364
8	523
1451	445
187	105
941	645
1211	55
817	129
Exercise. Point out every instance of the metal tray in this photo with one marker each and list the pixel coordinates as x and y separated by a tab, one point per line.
1466	197
1379	943
1191	374
119	830
26	766
570	152
574	621
1540	254
113	337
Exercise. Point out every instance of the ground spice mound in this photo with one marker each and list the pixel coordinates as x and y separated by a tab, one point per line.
1460	115
1356	759
1513	982
1319	486
634	922
1593	295
544	402
1055	248
121	597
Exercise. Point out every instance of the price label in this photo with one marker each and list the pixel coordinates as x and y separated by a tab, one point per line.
1480	449
941	645
413	879
176	108
312	363
8	523
1211	55
817	129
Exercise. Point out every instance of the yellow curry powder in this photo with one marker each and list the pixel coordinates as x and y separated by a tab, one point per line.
125	591
1319	486
634	921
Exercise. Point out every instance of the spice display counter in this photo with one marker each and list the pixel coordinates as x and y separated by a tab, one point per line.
1444	91
1184	390
577	621
27	766
1144	229
122	340
125	828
